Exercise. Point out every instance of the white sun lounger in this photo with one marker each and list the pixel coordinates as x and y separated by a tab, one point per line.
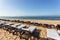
2	22
30	29
8	23
51	33
21	26
15	25
55	24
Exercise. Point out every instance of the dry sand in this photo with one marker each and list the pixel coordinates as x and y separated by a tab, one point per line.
4	35
46	21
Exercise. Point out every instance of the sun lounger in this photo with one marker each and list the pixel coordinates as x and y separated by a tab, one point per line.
40	23
28	22
21	26
27	32
45	25
18	29
55	25
15	25
37	24
2	25
49	26
58	26
51	33
30	29
58	32
26	35
2	22
9	24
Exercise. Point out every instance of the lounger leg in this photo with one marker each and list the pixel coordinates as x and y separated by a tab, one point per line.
0	26
11	31
18	33
14	33
4	28
31	38
7	29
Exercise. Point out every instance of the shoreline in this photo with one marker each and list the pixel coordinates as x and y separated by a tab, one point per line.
31	19
36	20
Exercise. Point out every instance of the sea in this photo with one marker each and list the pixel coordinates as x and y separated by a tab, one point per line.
34	17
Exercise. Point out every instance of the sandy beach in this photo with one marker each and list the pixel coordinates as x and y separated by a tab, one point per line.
29	19
4	35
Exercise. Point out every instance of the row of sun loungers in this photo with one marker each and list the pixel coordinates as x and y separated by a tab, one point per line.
51	33
33	23
18	28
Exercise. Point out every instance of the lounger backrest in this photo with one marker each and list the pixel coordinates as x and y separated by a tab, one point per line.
3	23
21	26
15	25
51	33
8	23
31	28
26	29
55	24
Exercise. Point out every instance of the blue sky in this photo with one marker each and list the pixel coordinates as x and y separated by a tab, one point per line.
29	7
